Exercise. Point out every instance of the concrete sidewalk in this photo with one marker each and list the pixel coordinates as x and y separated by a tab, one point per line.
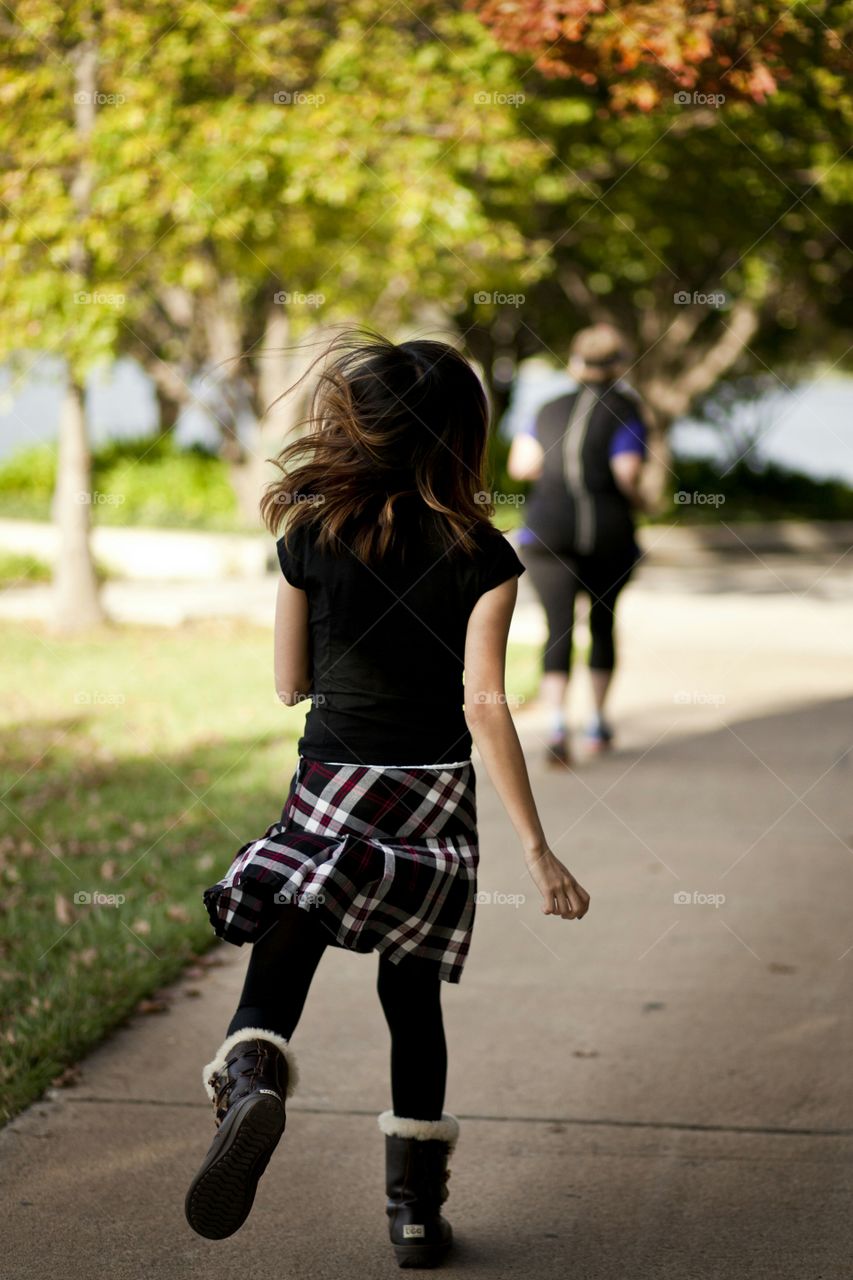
659	1091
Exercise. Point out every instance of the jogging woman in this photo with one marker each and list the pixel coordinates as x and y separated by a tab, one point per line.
393	582
585	453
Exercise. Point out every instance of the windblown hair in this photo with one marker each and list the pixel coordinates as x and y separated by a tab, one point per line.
395	442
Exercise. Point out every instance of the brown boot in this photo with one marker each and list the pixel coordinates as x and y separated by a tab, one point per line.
416	1174
247	1082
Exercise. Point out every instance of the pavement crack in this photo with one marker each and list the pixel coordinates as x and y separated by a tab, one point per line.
603	1122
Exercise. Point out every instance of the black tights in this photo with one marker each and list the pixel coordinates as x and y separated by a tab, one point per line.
557	581
281	966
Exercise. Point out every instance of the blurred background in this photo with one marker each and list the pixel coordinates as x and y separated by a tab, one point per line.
191	198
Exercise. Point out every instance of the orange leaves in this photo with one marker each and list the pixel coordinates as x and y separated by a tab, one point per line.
641	53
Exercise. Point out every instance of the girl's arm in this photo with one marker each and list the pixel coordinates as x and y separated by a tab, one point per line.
292	663
492	729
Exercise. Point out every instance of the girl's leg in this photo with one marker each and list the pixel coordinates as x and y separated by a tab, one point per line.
281	966
410	993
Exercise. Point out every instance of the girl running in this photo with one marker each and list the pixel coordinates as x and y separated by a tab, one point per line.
393	582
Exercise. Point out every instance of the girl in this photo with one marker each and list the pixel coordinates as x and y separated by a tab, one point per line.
393	581
585	453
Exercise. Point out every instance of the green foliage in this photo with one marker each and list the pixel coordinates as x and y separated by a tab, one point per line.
19	570
141	481
27	475
253	146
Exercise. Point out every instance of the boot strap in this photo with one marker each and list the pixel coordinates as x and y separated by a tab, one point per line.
221	1084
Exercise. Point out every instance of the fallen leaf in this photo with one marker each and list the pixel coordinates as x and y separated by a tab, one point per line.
152	1006
66	1078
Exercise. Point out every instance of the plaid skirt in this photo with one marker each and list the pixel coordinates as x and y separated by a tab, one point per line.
387	857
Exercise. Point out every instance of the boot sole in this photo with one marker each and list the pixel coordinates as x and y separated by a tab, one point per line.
421	1255
223	1191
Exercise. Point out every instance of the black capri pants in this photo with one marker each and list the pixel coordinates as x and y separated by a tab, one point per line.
558	580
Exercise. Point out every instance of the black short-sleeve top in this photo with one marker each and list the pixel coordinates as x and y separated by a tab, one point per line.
387	645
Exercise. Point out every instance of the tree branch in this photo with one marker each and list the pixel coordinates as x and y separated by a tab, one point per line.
581	296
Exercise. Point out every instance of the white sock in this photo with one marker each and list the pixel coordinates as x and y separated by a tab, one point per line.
558	723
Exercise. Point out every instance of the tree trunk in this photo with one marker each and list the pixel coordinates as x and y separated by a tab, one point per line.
659	480
223	325
168	411
677	370
76	603
278	364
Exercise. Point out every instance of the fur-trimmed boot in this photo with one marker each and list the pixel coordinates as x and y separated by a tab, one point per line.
247	1082
416	1173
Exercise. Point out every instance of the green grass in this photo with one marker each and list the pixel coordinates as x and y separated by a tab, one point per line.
135	761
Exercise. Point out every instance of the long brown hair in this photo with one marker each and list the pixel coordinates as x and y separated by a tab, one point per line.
396	440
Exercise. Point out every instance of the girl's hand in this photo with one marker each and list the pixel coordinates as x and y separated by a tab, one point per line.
561	893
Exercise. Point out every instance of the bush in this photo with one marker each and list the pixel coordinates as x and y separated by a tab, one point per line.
769	493
158	484
20	570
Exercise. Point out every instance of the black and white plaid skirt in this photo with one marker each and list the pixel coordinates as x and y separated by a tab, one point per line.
387	857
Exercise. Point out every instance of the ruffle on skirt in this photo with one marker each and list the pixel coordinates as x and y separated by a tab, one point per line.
386	857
